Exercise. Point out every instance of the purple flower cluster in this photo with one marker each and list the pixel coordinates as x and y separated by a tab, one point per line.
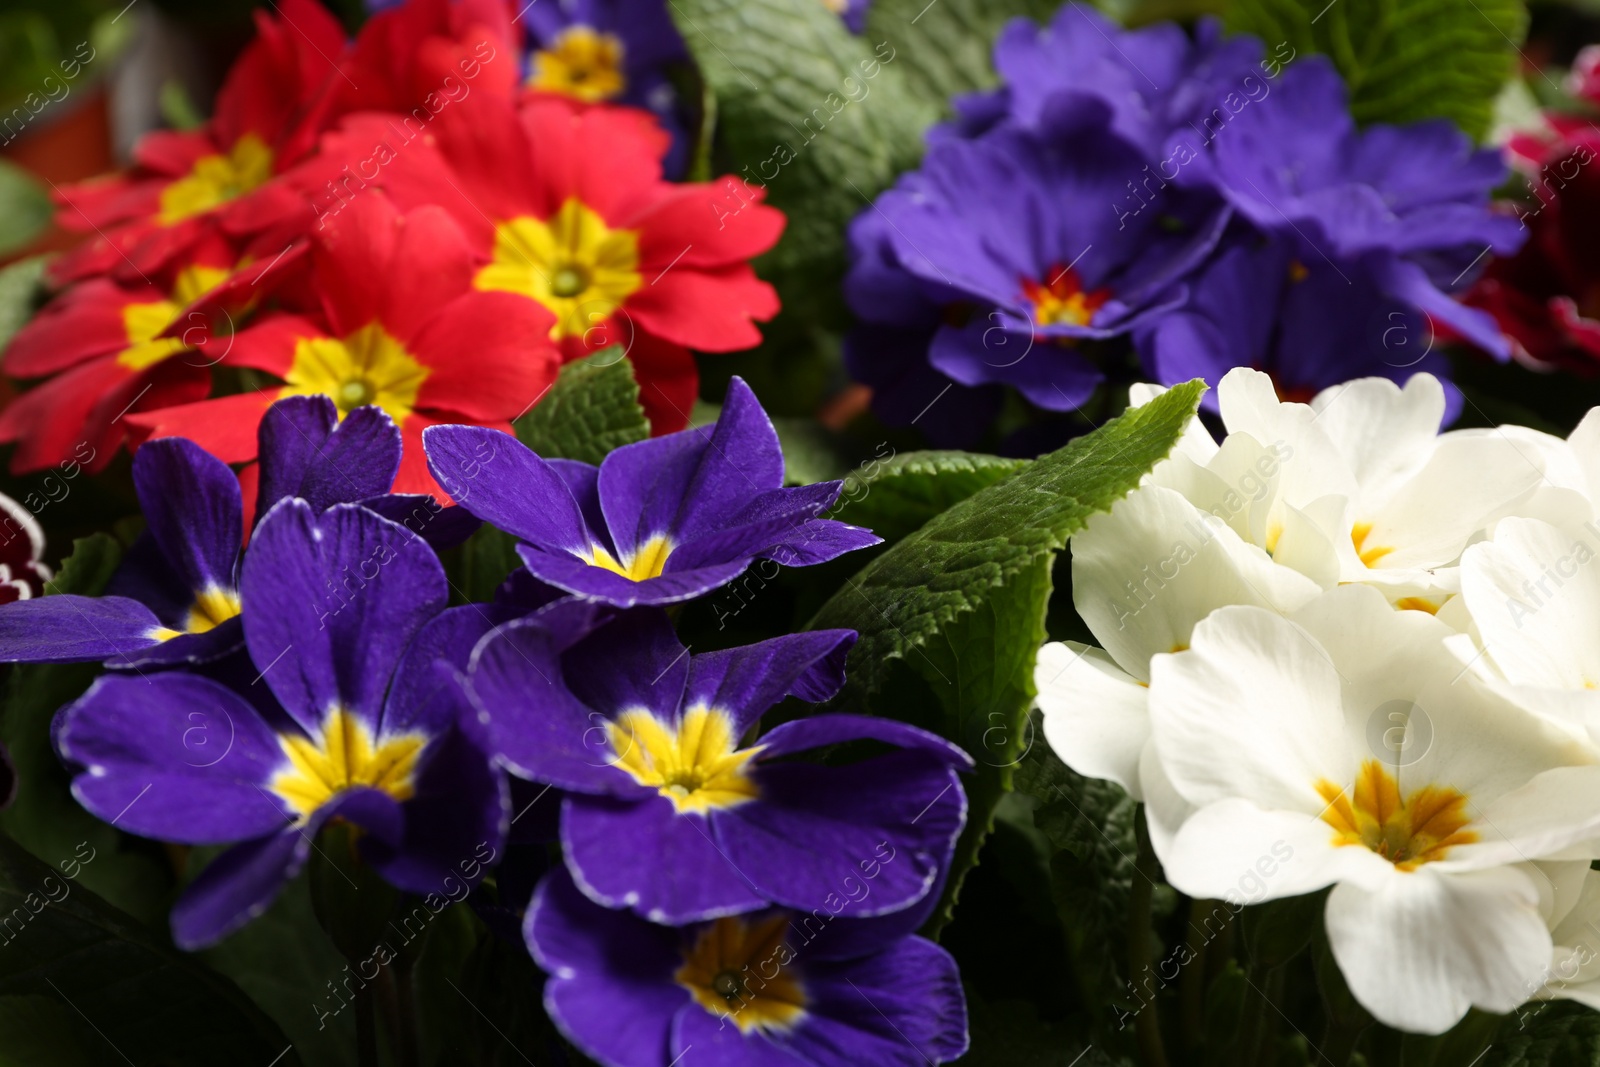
722	885
1213	205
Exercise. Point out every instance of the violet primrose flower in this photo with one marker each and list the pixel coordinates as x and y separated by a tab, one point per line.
668	812
176	598
770	988
341	614
659	521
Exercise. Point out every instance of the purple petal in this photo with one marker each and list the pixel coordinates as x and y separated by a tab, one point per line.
568	573
421	695
173	756
501	481
455	822
635	661
442	527
776	518
307	452
610	990
806	839
644	855
331	602
534	722
746	681
717	1042
236	887
901	1007
186	649
73	629
686	484
191	501
816	731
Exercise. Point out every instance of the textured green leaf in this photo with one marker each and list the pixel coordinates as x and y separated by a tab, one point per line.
591	408
894	496
945	44
950	566
144	1001
19	295
1552	1034
823	119
1404	60
94	559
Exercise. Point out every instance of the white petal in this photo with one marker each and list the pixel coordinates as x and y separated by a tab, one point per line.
1164	810
1147	571
1252	710
1422	948
1534	594
1096	715
1233	850
1384	433
1467	483
1585	444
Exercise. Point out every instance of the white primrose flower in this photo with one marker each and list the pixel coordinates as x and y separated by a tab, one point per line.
1573	914
1349	746
1372	492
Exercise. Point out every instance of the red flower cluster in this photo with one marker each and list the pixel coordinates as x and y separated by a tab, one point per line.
1546	298
394	220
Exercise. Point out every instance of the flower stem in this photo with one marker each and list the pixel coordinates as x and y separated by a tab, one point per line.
366	1027
1147	1025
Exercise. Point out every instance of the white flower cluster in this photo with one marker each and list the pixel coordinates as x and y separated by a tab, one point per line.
1344	638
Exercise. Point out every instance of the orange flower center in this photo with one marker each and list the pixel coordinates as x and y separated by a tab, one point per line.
1409	831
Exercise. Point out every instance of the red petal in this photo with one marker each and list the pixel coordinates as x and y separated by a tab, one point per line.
83	322
224	426
708	311
711	225
489	356
669	381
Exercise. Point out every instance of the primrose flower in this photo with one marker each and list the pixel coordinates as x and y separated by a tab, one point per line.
613	52
565	209
395	324
1016	310
1345	747
659	521
342	617
668	812
177	596
23	572
265	120
109	348
766	987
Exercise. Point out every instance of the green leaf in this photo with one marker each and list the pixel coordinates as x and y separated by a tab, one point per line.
825	120
94	559
894	496
40	1032
284	961
25	208
143	1001
1404	60
1547	1034
950	566
592	407
946	44
20	293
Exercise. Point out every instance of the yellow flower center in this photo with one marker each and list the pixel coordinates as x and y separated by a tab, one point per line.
1407	832
581	64
367	367
696	765
143	322
1358	537
216	179
572	263
743	972
345	756
647	561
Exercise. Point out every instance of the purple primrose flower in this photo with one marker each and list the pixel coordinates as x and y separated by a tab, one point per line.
669	810
771	988
341	615
659	521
